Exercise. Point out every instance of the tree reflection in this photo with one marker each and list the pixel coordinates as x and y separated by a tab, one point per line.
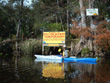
77	72
103	73
80	73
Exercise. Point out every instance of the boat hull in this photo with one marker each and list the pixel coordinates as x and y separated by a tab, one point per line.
80	59
51	57
70	59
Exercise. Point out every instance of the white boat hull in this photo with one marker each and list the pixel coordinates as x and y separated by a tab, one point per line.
50	57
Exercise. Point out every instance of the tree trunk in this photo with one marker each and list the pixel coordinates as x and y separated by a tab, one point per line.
19	23
56	19
18	28
58	4
93	22
59	13
68	30
82	42
93	25
83	15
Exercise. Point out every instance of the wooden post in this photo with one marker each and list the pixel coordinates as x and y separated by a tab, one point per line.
43	49
42	43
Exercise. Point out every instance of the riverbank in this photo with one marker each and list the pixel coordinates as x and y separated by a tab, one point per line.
32	46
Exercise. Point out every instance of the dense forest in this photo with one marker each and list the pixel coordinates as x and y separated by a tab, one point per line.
25	20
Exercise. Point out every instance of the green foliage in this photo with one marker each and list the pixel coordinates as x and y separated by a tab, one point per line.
85	51
0	39
48	14
98	58
75	41
1	54
13	36
31	46
7	23
108	50
72	36
46	49
53	27
6	51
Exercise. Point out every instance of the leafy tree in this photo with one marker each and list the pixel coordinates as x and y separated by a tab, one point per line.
103	38
7	23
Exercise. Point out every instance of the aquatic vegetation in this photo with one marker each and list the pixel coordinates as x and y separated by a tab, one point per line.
53	70
31	46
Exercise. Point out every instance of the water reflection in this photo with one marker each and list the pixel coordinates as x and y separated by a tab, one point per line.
60	72
53	70
69	71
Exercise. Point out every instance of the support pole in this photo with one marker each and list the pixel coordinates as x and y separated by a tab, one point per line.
43	49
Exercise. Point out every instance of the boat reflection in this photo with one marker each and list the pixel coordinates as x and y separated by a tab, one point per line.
47	61
63	70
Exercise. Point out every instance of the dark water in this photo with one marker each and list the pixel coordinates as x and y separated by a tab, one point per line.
13	72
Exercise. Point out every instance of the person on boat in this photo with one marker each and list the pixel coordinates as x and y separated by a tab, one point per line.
66	52
53	51
60	51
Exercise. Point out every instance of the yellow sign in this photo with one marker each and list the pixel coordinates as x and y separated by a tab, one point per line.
53	44
53	37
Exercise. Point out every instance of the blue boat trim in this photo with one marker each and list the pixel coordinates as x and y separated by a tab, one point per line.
80	59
